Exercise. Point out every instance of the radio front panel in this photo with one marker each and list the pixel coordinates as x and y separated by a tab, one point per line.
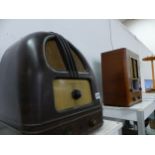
121	78
71	94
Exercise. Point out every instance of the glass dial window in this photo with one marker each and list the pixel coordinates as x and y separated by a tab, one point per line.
53	56
69	94
79	65
134	68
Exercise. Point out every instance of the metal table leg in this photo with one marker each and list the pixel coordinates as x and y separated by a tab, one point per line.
141	122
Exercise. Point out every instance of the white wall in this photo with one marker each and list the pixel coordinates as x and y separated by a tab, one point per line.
91	37
143	29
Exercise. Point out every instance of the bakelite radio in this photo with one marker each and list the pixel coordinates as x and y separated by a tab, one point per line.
121	78
47	87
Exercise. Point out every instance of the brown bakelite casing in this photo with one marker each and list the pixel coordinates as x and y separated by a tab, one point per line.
121	78
47	87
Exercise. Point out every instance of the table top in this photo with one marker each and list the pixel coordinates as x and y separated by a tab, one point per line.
146	96
108	128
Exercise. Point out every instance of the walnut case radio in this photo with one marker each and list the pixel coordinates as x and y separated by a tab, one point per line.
121	78
47	87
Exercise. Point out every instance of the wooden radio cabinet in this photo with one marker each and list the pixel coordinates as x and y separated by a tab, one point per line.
121	78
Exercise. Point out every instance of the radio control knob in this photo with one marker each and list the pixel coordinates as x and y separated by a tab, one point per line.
92	123
139	97
76	94
134	99
130	90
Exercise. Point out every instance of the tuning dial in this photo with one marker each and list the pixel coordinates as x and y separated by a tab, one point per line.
134	99
139	97
76	94
130	90
92	123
